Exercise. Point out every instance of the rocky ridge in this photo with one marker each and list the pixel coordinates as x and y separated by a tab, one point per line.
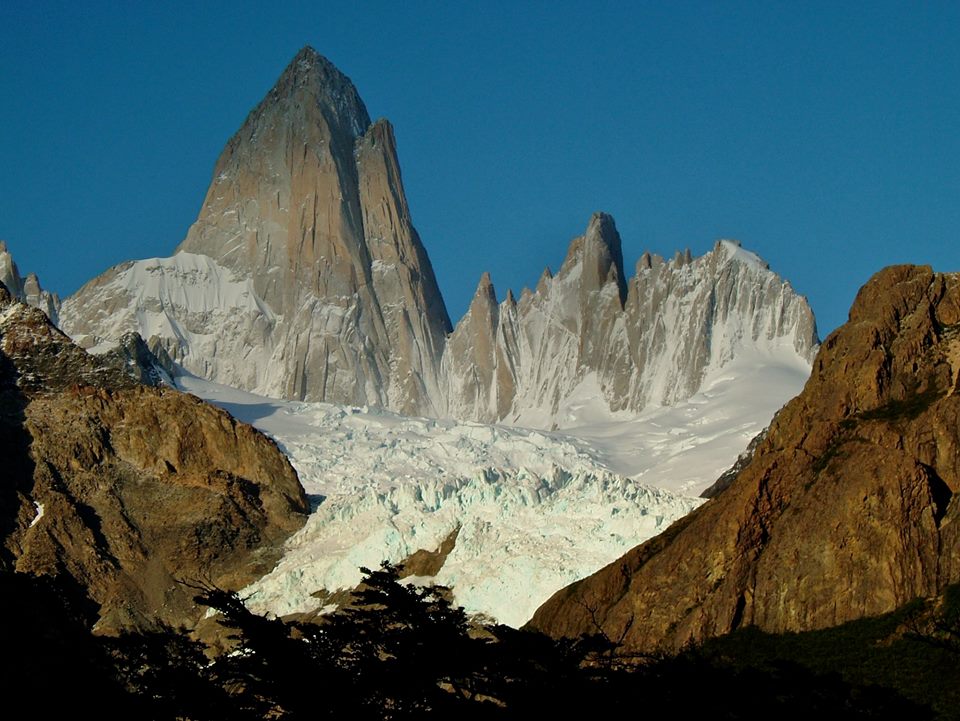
129	489
845	510
646	341
27	289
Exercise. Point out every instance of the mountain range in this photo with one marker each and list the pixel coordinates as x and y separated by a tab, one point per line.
303	278
539	439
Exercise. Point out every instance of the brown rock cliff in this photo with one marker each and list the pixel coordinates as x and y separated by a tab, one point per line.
129	489
846	509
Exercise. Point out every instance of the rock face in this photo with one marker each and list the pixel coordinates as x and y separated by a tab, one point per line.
312	281
648	341
27	289
846	509
129	489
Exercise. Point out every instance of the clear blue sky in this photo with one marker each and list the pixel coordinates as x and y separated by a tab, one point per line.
824	136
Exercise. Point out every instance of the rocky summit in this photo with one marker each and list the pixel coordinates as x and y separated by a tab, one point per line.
134	492
845	510
303	276
27	289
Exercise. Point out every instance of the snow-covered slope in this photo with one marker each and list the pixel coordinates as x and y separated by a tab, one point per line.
535	510
686	446
205	316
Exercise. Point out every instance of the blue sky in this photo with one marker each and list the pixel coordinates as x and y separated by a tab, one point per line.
824	136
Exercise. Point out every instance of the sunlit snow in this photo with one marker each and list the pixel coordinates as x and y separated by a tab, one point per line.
39	508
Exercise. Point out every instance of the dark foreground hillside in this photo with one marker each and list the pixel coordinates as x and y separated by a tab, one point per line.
401	652
914	651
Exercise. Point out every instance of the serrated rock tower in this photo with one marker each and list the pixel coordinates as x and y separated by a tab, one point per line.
589	333
26	289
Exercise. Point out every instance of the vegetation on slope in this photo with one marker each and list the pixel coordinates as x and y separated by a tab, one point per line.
399	651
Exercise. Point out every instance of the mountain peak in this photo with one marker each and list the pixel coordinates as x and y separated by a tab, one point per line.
307	219
26	289
316	86
306	127
602	251
600	219
485	290
308	52
309	62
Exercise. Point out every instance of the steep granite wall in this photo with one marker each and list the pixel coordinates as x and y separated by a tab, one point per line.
303	276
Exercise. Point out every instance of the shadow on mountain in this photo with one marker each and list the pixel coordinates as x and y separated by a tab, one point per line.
249	412
15	441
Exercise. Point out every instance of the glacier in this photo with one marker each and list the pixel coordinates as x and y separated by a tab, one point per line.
533	510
